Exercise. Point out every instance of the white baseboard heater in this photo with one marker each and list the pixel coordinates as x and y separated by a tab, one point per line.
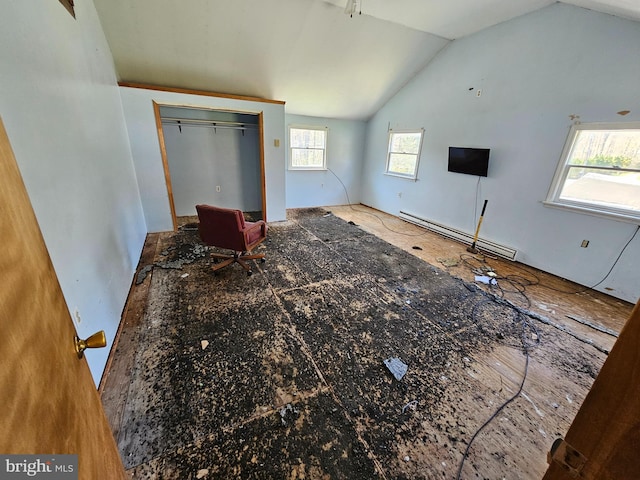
482	244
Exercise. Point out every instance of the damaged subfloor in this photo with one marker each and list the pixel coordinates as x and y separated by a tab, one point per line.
281	375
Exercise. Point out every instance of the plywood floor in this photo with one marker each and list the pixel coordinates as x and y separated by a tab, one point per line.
547	401
552	297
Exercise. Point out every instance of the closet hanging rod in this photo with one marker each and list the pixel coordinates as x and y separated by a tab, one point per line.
207	123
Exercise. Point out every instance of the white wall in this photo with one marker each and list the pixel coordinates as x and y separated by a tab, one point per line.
534	71
138	111
61	108
201	159
345	150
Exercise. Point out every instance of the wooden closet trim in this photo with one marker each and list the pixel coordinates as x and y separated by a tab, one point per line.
165	164
165	159
204	93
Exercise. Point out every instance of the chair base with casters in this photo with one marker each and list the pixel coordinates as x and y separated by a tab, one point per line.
237	257
227	229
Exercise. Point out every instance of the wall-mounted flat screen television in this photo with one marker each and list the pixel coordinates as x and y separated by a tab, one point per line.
472	161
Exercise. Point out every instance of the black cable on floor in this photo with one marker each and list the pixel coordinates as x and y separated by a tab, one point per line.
535	282
495	414
373	214
520	287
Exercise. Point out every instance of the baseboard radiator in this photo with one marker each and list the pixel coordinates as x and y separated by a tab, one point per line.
482	244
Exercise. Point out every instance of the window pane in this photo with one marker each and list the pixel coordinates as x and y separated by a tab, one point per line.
600	173
302	138
602	188
405	142
403	164
607	148
307	158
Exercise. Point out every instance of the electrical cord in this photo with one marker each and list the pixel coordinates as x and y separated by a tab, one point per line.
492	417
519	283
522	281
526	347
343	185
603	278
510	278
373	214
617	258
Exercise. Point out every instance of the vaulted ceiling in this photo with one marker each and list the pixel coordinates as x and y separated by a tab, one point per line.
309	53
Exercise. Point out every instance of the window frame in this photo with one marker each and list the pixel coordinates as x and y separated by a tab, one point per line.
562	172
69	5
324	129
414	175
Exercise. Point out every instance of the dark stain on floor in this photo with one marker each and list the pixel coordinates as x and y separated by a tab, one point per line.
281	376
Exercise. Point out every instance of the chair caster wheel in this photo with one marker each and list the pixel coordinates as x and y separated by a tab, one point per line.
262	260
249	273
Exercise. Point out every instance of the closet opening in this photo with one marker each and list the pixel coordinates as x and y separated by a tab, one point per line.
211	156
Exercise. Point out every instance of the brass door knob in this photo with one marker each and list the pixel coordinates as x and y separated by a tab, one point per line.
97	340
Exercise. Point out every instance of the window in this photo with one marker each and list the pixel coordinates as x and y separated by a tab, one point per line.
404	153
307	148
68	4
599	171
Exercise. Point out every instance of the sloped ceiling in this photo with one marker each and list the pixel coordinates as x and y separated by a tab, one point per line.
453	19
309	53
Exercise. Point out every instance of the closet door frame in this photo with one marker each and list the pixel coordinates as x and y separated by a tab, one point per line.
165	160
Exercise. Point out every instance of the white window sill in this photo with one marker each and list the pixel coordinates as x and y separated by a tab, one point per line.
308	169
398	175
621	217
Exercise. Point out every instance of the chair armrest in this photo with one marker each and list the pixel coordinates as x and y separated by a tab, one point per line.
260	224
253	225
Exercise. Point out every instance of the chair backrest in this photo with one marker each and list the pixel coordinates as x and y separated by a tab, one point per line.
221	227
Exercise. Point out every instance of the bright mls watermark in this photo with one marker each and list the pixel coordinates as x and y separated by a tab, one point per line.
50	467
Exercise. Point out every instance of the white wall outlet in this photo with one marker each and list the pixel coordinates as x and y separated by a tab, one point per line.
76	316
584	244
217	188
479	93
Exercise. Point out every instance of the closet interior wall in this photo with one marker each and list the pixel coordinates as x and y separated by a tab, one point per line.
213	157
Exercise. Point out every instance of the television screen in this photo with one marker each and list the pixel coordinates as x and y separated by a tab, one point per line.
472	161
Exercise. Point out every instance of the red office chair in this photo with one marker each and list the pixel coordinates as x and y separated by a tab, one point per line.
226	228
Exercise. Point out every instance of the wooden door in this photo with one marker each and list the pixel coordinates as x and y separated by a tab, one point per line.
48	400
603	442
